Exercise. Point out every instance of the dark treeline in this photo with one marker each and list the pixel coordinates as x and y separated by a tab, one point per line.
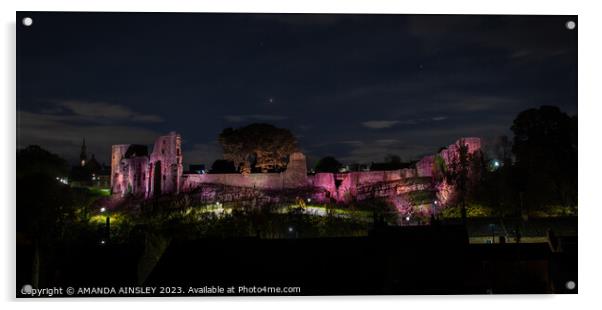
536	171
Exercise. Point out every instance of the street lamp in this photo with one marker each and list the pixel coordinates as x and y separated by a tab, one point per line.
495	164
107	224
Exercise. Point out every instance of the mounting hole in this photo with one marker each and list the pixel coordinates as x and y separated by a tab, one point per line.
27	21
570	285
570	25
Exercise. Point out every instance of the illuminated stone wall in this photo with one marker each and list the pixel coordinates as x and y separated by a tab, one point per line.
424	167
163	168
128	170
253	180
137	174
325	181
451	153
117	154
134	172
295	176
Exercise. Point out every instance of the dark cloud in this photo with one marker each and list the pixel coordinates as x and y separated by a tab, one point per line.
379	124
104	111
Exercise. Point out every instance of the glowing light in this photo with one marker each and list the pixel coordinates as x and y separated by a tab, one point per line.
495	164
290	229
308	199
407	218
103	209
102	242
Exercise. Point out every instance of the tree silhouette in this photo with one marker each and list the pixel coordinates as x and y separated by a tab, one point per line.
262	146
328	164
545	149
46	205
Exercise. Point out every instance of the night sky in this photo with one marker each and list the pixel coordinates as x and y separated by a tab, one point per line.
358	87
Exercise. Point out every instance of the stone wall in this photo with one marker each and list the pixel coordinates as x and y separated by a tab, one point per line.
351	181
117	154
253	180
128	171
137	172
325	181
424	167
295	176
161	173
165	168
451	153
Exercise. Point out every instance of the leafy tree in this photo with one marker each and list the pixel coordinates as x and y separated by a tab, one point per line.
34	160
497	191
45	206
502	149
464	172
258	145
545	149
328	164
497	186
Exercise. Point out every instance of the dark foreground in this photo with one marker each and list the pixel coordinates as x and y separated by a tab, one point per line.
391	260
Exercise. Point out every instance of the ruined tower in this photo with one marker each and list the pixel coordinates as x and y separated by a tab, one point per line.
165	166
295	174
129	169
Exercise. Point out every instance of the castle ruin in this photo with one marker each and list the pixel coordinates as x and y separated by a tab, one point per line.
135	171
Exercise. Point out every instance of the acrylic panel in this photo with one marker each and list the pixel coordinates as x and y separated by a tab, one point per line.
221	154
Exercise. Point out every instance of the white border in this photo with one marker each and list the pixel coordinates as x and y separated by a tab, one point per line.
589	149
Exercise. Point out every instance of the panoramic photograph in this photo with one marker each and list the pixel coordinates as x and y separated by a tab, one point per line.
247	154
